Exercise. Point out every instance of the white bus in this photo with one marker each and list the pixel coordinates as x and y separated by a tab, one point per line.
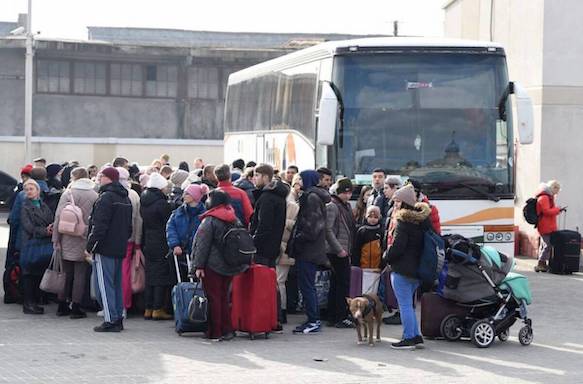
435	110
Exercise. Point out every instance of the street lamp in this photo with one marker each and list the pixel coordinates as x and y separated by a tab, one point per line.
28	82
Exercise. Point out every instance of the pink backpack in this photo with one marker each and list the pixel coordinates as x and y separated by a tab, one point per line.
71	220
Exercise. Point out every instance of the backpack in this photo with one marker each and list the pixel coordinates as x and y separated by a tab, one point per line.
432	257
238	246
71	220
529	211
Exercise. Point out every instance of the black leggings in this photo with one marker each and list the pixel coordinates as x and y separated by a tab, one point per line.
339	288
31	290
154	296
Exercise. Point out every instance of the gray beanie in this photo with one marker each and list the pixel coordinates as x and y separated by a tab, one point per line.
393	180
406	194
178	177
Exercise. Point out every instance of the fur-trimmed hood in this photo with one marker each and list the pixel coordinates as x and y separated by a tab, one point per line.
416	216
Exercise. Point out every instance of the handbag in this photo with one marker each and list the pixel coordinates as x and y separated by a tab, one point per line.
138	274
36	254
54	279
198	307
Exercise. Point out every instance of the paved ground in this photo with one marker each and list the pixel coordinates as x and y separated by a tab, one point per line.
47	349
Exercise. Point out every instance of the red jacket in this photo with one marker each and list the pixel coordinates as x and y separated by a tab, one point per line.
547	213
239	200
434	217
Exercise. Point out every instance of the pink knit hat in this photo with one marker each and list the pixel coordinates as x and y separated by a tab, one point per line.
196	191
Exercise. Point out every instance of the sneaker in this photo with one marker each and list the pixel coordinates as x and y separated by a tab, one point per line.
229	336
404	344
32	309
418	341
393	320
125	314
300	328
312	328
63	309
100	313
345	324
278	329
108	327
77	312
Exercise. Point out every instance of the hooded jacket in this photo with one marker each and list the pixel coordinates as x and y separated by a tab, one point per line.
547	211
291	215
155	211
110	224
84	197
183	225
207	247
247	186
368	246
405	253
268	221
309	242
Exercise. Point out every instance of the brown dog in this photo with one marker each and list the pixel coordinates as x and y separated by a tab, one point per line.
366	310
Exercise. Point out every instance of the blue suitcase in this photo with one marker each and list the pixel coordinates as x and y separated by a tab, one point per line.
182	294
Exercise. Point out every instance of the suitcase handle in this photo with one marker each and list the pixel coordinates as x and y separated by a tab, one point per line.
188	263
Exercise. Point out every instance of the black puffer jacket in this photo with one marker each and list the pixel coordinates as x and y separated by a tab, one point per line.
110	224
268	221
156	211
309	242
405	253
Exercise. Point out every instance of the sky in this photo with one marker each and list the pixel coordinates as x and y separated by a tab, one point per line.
69	18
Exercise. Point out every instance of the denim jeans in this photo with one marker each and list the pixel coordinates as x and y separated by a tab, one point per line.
405	288
306	281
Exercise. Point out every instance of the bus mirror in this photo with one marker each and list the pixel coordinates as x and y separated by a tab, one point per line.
524	115
327	116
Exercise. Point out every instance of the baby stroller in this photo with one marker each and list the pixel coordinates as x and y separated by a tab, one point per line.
479	279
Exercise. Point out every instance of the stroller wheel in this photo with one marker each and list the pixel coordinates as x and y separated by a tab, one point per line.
451	328
504	335
525	335
482	334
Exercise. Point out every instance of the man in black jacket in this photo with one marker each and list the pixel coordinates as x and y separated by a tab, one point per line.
268	220
110	228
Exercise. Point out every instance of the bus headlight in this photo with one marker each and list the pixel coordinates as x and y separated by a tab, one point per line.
498	237
490	237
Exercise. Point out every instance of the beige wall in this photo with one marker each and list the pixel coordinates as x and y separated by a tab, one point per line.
12	152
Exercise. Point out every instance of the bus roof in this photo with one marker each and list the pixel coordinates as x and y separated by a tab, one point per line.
330	48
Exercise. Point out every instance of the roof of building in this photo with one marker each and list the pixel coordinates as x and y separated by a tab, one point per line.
205	39
6	27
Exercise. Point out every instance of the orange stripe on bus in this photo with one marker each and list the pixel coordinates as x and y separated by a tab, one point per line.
485	215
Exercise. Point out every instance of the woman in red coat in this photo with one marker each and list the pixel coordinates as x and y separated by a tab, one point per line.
547	220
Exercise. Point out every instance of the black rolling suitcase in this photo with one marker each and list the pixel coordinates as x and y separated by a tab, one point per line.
566	250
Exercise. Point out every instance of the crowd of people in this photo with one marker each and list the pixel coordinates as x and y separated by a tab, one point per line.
105	222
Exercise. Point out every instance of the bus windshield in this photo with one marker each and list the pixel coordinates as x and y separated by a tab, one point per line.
429	116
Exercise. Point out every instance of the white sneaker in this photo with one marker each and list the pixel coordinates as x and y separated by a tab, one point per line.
100	314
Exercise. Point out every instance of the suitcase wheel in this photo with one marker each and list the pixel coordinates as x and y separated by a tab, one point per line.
503	336
451	328
251	336
525	335
266	335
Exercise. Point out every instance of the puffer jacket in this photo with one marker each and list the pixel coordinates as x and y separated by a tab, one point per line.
183	225
434	217
268	221
368	248
110	224
309	243
405	253
207	245
84	196
291	214
247	186
340	227
156	211
547	212
239	201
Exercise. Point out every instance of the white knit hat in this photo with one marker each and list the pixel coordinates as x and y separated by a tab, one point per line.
406	194
157	181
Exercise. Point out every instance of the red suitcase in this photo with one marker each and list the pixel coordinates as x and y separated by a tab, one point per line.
254	301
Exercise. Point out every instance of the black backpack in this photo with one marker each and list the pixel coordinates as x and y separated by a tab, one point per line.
529	211
238	246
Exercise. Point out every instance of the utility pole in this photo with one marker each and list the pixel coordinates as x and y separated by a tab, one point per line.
28	86
396	28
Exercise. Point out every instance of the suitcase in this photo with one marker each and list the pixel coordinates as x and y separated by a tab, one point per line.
355	282
434	309
387	292
566	251
182	294
254	301
370	280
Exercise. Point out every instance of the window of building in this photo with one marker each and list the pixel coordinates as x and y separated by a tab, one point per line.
161	80
126	80
90	78
204	83
53	76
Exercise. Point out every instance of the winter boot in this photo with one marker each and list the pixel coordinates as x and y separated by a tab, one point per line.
64	309
76	312
541	266
160	314
148	314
